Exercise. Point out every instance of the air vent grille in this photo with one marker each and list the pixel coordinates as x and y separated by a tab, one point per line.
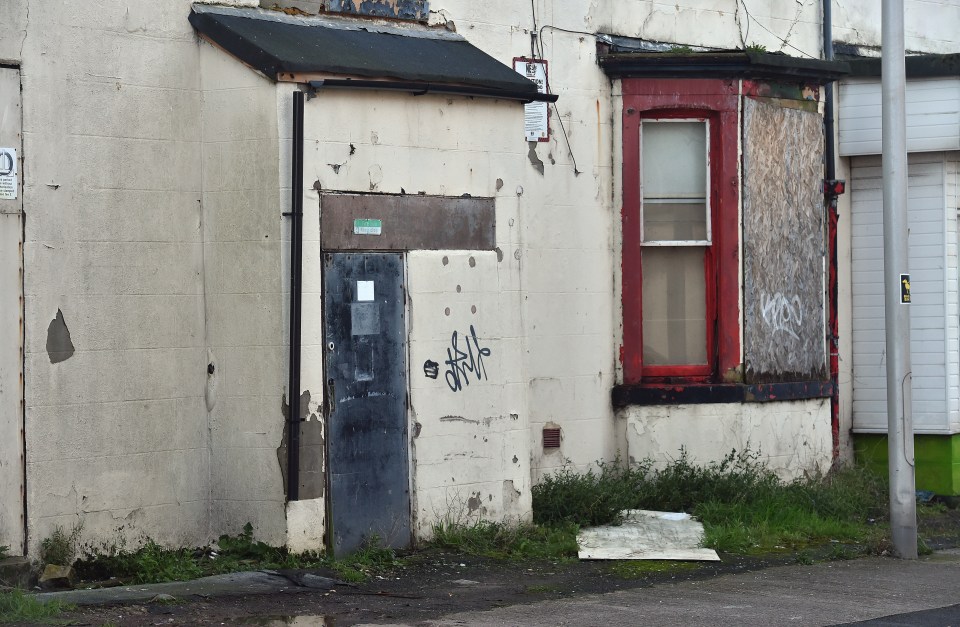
551	437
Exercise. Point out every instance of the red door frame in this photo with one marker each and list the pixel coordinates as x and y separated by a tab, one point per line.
718	101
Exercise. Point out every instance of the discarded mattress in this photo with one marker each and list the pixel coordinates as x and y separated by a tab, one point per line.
646	535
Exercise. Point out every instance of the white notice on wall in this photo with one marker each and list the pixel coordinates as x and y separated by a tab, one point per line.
8	174
536	120
364	290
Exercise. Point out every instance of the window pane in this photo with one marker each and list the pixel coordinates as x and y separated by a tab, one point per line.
674	221
674	306
674	179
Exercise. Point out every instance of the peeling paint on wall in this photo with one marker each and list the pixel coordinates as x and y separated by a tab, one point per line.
784	335
403	9
534	158
59	344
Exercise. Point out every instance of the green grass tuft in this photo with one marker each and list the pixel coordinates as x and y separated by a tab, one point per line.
153	563
503	541
744	506
17	606
638	569
371	558
60	547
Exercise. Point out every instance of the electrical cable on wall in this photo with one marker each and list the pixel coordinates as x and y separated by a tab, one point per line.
536	51
776	36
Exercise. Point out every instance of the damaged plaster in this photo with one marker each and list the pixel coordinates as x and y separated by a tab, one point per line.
59	344
534	159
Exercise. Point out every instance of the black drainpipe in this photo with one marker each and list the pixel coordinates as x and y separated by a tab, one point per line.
828	89
296	272
831	190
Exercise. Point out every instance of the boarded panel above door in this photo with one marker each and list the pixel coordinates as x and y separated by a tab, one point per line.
382	222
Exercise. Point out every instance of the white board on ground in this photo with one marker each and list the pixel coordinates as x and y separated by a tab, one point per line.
646	535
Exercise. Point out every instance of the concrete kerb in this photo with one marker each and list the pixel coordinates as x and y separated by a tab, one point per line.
230	584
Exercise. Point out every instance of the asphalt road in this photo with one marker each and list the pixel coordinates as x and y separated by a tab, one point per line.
882	591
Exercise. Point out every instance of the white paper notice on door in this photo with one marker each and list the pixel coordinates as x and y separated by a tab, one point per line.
8	174
536	120
364	291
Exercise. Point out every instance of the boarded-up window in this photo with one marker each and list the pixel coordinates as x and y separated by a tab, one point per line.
783	243
402	9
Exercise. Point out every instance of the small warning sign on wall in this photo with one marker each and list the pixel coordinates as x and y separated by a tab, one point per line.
536	115
8	174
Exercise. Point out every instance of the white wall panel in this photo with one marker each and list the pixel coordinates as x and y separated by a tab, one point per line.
933	115
929	262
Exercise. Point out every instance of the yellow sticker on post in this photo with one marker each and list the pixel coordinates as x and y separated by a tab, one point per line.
905	289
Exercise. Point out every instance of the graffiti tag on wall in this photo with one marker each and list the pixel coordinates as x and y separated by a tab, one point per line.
782	313
464	361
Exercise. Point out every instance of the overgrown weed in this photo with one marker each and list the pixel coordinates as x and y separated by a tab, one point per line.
17	606
60	547
153	563
744	506
371	558
506	541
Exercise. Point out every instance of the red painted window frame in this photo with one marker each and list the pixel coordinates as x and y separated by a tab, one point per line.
718	102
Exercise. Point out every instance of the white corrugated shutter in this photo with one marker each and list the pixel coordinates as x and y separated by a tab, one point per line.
933	250
933	115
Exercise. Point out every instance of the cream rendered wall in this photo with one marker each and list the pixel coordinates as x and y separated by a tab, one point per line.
13	23
929	25
567	221
471	448
788	26
792	437
244	298
117	433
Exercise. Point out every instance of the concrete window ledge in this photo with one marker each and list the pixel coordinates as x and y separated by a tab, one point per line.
693	393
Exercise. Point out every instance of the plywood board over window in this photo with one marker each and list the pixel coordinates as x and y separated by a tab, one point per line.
783	243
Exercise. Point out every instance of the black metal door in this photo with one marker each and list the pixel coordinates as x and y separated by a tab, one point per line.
367	395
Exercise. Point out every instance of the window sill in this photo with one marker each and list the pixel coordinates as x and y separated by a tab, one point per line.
700	393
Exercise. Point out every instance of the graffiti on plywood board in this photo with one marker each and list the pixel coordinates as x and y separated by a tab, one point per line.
782	313
783	243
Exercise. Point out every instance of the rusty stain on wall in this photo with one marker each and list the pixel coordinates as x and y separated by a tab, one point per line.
783	243
59	344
